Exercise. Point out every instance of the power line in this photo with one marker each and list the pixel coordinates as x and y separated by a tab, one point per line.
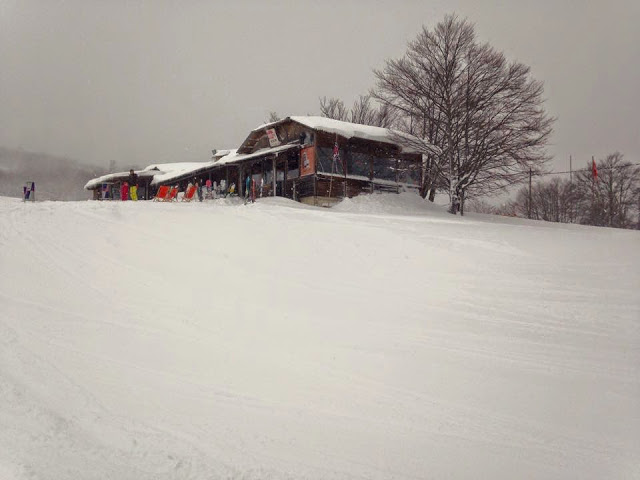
586	169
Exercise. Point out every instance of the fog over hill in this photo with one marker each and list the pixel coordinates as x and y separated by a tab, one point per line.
57	178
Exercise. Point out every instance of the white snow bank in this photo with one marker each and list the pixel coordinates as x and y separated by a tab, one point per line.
8	474
144	340
390	203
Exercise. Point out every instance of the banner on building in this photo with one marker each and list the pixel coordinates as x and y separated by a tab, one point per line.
273	137
307	161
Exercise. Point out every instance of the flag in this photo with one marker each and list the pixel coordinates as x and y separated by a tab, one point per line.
594	169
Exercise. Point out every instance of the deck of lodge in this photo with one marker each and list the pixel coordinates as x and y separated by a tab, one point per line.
296	158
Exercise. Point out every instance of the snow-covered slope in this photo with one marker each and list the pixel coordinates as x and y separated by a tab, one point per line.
380	339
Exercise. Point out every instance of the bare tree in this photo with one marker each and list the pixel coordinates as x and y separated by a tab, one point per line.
557	200
637	194
506	209
273	117
611	198
333	108
479	205
362	111
485	114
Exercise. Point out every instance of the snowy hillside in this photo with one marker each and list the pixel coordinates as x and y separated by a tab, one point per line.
382	339
56	178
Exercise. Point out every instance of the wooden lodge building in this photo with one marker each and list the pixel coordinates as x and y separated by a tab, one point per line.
314	160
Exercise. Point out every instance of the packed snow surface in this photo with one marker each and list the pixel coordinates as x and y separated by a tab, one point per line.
381	339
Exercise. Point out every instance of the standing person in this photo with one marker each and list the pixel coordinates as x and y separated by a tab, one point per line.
133	185
124	191
261	185
199	189
209	193
247	184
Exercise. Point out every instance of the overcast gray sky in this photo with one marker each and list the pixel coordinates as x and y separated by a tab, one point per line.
161	81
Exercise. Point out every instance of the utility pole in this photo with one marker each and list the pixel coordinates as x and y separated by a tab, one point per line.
570	170
529	212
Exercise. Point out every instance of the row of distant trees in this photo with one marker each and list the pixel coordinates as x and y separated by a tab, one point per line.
611	199
484	113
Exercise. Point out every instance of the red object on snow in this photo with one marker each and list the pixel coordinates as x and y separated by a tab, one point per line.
124	191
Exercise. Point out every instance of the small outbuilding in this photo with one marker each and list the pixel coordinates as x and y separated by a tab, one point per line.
107	187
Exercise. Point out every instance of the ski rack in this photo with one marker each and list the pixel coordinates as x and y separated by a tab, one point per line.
29	191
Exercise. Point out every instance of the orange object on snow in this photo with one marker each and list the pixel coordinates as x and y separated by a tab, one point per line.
188	195
162	194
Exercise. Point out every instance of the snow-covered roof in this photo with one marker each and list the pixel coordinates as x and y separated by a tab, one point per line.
408	143
167	172
221	153
171	171
110	177
236	157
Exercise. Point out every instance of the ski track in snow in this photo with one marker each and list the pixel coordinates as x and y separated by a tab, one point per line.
380	339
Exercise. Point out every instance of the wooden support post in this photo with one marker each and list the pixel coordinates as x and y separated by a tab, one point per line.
274	182
240	188
284	177
371	172
344	168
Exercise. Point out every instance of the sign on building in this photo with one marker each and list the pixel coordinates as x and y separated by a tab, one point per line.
307	161
273	137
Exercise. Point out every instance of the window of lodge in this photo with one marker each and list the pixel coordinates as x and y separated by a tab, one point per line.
358	164
409	172
324	160
384	168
